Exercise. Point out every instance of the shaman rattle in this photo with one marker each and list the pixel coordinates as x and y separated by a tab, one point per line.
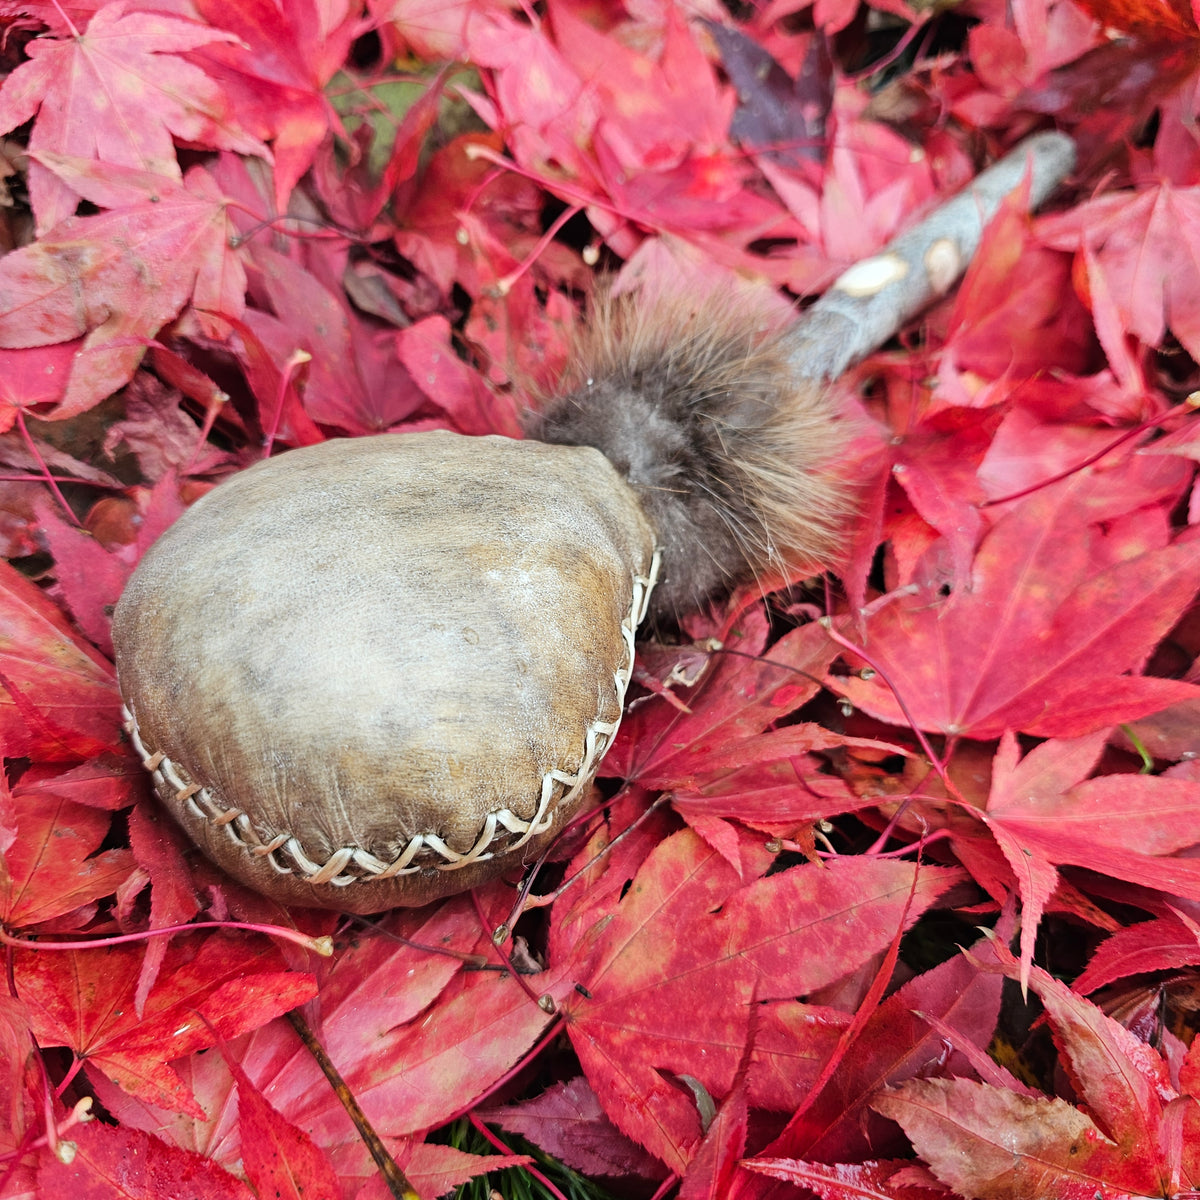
370	672
379	671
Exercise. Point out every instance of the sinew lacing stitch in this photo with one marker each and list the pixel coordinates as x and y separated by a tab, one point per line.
236	822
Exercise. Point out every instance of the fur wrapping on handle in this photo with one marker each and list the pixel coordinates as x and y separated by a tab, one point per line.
696	404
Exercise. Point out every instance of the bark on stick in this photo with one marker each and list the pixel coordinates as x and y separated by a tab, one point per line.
878	296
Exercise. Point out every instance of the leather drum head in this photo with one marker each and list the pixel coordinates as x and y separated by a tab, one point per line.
379	671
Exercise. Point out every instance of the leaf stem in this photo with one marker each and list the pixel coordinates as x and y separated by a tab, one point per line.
45	475
664	1187
1144	754
47	479
295	361
476	961
544	1002
563	189
495	1141
500	934
934	760
319	945
505	283
79	1115
1178	410
70	24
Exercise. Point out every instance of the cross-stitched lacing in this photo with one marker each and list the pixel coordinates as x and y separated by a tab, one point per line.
204	805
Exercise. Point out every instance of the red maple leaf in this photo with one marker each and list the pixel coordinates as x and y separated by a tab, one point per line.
88	578
53	867
871	1180
938	1023
416	1037
434	1170
1143	249
107	95
217	1136
771	939
20	1100
986	1141
109	1163
1164	944
33	376
742	693
85	276
58	697
1044	811
85	1000
307	316
280	1160
160	846
634	96
713	993
108	781
631	152
1013	312
1044	638
451	385
717	1157
273	70
567	1121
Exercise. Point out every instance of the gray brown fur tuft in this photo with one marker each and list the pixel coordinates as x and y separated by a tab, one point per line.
695	403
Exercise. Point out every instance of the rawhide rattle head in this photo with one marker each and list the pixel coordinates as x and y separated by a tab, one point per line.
379	671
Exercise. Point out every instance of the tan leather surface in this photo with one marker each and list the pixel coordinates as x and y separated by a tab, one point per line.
375	638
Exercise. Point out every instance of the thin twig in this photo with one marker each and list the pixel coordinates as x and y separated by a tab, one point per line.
395	1179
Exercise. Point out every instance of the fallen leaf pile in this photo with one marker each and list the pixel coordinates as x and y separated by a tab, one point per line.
890	888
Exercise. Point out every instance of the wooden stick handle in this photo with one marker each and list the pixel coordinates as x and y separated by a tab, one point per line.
876	298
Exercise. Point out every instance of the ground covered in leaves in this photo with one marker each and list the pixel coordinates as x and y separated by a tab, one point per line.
905	903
